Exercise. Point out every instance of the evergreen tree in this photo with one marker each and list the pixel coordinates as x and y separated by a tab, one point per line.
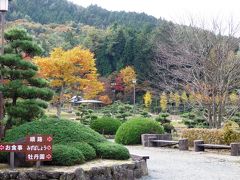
24	92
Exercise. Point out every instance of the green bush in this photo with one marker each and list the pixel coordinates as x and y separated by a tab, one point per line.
168	127
108	150
64	155
194	120
88	151
106	125
63	131
130	132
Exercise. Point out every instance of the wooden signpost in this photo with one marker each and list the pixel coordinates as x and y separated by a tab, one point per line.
36	148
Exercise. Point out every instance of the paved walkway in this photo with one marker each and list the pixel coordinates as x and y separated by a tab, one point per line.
172	164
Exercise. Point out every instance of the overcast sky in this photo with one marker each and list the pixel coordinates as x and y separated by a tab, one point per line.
173	9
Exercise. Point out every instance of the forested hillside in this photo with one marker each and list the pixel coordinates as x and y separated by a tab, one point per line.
60	11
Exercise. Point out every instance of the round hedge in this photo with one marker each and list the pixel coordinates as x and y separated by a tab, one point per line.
88	151
64	155
106	125
130	132
108	150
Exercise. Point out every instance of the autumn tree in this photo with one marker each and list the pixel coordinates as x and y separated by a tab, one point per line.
203	60
147	99
234	98
128	74
163	102
105	99
184	99
73	70
177	99
25	94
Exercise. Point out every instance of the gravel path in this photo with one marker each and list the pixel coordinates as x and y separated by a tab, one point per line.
172	164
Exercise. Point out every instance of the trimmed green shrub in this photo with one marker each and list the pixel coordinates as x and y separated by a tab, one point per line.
108	150
63	131
64	155
88	151
165	122
130	132
168	127
194	120
106	125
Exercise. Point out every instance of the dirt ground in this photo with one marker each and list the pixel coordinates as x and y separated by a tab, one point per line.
172	164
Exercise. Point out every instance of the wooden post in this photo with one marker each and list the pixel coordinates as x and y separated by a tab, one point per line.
183	144
1	106
12	160
198	148
38	164
235	149
146	138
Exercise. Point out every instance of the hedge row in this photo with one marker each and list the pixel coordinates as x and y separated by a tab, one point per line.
228	134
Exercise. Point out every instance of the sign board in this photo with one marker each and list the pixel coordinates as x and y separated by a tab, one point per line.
12	147
39	148
36	147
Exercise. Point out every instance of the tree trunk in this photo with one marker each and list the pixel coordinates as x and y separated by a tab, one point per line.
59	105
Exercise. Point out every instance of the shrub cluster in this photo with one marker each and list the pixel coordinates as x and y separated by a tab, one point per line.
106	125
236	118
165	122
110	150
88	151
130	132
73	142
64	155
228	134
194	120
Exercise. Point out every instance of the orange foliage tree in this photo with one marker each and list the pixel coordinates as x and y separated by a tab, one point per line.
105	99
73	69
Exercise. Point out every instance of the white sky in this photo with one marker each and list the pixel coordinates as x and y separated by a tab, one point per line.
173	9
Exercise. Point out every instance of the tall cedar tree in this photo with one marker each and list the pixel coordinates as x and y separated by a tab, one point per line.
24	92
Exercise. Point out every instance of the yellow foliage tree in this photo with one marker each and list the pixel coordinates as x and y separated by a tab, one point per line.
72	69
177	99
128	74
163	102
147	99
184	99
233	98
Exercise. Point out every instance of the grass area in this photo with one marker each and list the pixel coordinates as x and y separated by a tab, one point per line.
178	124
64	115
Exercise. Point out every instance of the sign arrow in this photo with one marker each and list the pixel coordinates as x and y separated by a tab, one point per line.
2	147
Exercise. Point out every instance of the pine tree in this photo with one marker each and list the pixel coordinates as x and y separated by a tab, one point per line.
25	94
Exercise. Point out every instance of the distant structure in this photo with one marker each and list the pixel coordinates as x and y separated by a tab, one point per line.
75	100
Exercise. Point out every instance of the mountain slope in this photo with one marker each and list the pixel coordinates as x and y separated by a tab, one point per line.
60	11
